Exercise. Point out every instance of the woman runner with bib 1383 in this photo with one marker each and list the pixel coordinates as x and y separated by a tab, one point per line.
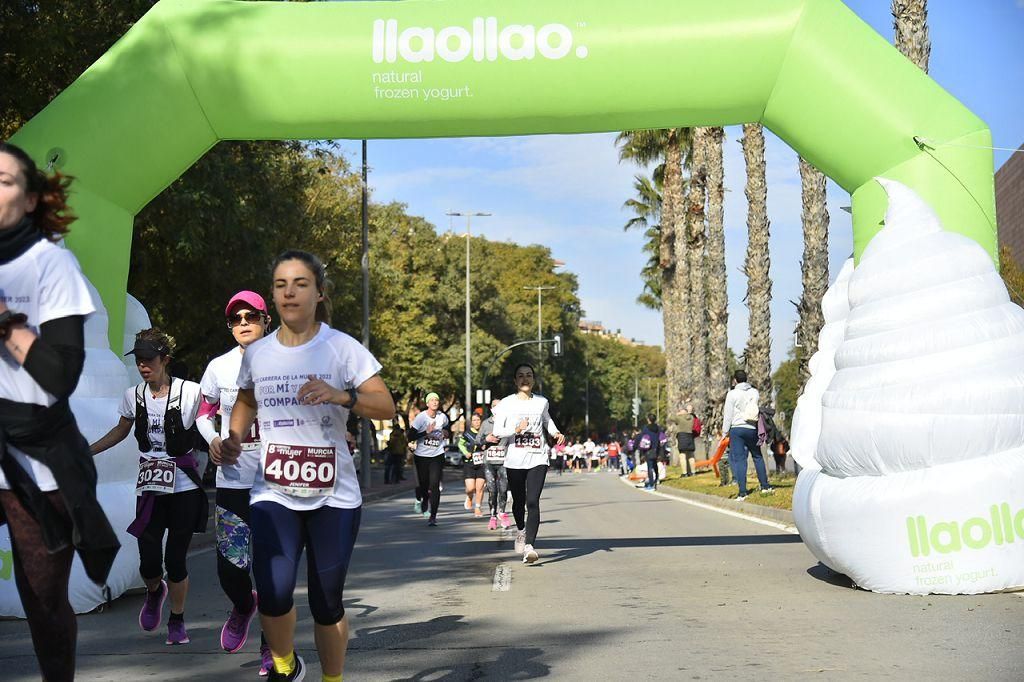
162	412
524	418
302	381
248	320
45	467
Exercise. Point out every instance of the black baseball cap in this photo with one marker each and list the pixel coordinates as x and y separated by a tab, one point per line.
147	350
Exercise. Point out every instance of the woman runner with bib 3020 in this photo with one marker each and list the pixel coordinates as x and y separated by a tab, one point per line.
248	320
302	381
162	412
524	418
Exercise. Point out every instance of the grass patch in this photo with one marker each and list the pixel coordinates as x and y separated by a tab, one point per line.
706	482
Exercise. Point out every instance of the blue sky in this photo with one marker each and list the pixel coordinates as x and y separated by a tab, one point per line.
566	192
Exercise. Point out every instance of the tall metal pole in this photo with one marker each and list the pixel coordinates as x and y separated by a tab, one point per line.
364	442
586	413
469	379
636	396
540	331
657	401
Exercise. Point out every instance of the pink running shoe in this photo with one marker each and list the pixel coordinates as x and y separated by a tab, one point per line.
503	519
236	629
176	633
268	661
493	523
152	608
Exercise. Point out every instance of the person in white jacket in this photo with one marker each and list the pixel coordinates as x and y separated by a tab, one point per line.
739	422
524	418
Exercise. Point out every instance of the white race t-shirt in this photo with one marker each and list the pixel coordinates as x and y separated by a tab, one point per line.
219	387
529	448
46	284
155	409
276	373
432	443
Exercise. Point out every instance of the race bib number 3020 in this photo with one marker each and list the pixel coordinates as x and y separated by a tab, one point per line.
301	470
156	476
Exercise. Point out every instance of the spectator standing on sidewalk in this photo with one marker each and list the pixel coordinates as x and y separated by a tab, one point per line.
687	427
740	422
397	447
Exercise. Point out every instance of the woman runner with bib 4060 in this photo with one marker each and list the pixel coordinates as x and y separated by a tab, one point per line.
302	381
162	412
248	320
524	418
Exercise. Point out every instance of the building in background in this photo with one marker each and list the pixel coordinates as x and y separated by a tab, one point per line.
596	328
1010	204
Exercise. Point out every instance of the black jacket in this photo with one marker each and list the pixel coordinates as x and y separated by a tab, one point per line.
51	436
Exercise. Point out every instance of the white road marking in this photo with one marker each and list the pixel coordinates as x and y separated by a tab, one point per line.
502	578
728	512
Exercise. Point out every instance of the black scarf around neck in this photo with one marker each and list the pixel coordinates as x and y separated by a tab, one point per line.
18	239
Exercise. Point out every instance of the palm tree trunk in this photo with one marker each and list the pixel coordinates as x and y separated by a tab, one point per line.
814	266
696	243
758	263
910	21
671	308
718	295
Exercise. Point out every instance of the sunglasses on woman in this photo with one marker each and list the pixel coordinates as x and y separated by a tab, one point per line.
249	317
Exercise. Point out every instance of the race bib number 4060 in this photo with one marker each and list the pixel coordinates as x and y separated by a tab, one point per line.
301	470
156	476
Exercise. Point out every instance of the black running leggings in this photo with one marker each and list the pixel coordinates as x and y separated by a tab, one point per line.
42	582
428	480
178	514
526	486
234	547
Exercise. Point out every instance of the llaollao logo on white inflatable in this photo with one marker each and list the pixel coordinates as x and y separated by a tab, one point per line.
946	537
484	41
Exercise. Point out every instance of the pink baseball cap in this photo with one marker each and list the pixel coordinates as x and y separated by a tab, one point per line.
248	297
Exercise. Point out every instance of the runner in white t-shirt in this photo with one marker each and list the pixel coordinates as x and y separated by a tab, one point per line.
248	320
429	430
44	302
524	418
301	382
162	412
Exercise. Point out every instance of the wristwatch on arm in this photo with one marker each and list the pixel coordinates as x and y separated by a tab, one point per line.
353	398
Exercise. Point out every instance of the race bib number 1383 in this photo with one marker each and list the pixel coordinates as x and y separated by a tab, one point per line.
300	470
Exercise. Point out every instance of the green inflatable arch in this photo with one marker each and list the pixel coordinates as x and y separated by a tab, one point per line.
193	72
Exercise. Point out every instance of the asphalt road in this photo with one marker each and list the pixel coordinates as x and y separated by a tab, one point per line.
630	586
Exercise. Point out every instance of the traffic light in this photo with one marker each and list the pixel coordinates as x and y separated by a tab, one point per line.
636	407
556	351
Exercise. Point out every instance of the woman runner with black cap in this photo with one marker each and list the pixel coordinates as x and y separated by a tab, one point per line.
162	413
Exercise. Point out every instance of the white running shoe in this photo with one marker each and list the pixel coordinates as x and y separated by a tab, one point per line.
529	554
520	545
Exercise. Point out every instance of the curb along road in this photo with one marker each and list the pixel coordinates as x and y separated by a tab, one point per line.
783	517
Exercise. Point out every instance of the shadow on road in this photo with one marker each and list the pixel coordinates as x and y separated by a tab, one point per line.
512	664
386	636
827	575
563	549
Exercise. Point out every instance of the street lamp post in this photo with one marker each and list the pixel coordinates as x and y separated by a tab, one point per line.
540	331
365	444
469	381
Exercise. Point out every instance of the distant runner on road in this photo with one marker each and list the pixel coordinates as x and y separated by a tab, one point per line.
430	431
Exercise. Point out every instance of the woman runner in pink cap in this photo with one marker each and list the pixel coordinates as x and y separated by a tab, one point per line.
248	320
